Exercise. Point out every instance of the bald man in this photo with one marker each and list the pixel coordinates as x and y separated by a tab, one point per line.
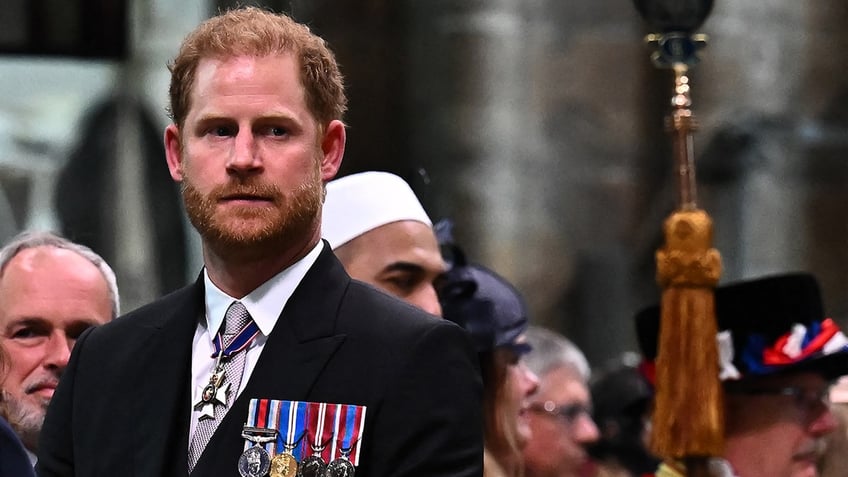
51	290
380	232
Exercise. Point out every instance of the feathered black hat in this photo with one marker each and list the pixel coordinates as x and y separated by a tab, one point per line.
767	326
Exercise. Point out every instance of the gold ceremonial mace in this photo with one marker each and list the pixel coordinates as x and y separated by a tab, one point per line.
688	420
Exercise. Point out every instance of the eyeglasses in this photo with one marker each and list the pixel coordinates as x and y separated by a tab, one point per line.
806	399
568	412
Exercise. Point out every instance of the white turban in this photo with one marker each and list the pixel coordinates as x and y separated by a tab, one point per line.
361	202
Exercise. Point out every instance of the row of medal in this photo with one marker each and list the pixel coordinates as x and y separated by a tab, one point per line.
301	439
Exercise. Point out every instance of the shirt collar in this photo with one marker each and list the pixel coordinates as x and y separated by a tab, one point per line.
265	304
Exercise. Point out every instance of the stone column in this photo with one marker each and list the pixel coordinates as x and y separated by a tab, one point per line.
526	112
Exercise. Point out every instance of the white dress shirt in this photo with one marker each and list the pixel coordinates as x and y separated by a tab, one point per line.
265	304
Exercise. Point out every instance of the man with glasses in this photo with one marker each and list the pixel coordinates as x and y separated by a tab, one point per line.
778	355
560	412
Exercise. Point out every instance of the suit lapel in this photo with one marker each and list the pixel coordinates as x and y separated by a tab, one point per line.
303	339
297	350
164	394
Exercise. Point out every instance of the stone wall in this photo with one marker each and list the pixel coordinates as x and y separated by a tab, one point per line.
540	126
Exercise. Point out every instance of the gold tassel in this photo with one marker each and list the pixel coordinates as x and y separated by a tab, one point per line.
688	418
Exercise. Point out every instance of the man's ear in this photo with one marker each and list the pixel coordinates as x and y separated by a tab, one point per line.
173	152
332	148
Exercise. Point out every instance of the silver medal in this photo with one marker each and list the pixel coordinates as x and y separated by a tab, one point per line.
340	467
254	462
312	466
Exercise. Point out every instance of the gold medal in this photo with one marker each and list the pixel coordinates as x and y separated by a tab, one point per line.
283	465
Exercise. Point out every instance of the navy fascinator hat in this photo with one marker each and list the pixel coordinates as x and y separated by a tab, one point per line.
484	303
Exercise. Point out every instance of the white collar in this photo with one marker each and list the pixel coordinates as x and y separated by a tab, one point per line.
265	304
721	468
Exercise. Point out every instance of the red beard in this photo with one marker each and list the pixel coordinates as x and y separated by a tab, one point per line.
256	231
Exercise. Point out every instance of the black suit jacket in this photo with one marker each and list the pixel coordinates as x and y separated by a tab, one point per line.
122	406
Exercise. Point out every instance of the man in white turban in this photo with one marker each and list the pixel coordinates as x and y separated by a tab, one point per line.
381	233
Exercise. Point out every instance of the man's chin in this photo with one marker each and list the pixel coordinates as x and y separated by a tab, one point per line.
243	243
26	418
260	239
805	468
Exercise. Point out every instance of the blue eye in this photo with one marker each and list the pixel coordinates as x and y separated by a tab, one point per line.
222	131
24	333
